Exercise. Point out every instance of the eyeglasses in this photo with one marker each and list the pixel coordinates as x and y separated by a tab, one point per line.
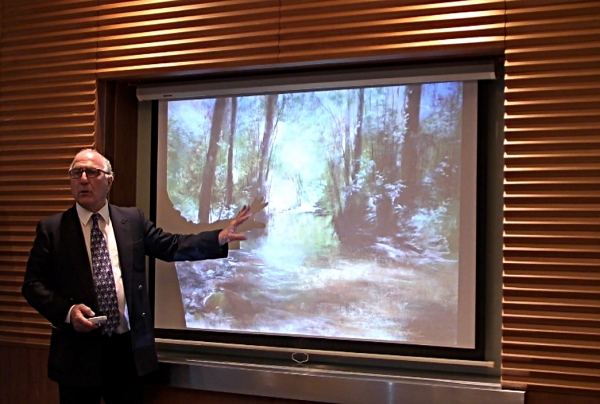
90	172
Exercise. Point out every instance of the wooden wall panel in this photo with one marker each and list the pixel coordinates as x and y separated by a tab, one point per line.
551	316
536	397
23	376
52	52
140	38
317	30
47	113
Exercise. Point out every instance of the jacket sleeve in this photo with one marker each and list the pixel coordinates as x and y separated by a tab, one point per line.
181	247
37	285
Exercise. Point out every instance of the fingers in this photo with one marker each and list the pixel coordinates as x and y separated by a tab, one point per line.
258	204
242	216
229	234
239	222
246	211
80	311
79	320
237	237
85	310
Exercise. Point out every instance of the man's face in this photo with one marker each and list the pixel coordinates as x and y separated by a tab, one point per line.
91	193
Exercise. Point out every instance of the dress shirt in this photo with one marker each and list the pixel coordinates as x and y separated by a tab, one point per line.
85	219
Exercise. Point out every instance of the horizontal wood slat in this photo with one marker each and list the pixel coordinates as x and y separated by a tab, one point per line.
47	114
144	38
551	288
339	29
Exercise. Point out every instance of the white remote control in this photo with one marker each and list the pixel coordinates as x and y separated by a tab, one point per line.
98	319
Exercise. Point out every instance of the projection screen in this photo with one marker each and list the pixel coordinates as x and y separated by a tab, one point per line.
364	201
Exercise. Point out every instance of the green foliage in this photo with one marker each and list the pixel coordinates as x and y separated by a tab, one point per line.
313	151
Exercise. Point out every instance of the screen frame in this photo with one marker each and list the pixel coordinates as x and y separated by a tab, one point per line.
257	342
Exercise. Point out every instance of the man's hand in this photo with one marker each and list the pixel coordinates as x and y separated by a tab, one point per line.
229	233
78	317
258	204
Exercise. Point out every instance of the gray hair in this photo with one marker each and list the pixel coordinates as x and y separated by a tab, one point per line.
107	166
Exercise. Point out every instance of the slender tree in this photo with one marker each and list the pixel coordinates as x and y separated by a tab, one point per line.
388	143
347	145
265	146
232	123
409	163
208	174
358	136
349	223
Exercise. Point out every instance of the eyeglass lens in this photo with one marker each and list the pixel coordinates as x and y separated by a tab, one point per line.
89	172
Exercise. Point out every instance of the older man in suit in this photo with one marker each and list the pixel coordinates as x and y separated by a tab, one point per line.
90	261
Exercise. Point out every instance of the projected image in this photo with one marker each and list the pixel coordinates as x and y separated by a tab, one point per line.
360	237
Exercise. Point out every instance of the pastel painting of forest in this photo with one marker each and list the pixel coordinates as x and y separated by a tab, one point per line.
360	237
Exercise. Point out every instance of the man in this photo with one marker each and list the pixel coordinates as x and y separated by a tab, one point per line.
90	261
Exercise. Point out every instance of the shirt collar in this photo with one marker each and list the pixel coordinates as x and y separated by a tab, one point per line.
85	215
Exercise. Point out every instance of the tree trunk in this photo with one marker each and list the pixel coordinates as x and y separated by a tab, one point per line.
265	146
358	136
208	174
229	185
347	149
409	159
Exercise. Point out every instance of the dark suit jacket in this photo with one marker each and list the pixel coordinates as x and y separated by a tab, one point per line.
59	275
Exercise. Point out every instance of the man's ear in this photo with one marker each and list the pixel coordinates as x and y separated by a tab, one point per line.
110	181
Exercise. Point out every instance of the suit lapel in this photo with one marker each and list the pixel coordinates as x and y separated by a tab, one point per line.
122	230
74	247
72	225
